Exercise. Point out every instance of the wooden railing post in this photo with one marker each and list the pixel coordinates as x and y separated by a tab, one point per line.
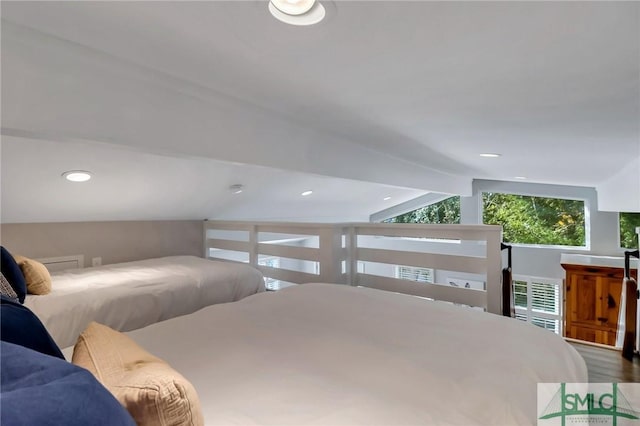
351	255
330	254
253	245
494	273
205	243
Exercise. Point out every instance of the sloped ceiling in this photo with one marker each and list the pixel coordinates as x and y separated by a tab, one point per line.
133	185
403	94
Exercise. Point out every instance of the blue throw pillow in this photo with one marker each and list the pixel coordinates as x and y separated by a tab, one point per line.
13	274
41	390
21	326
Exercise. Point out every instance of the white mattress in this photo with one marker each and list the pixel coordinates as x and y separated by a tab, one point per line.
339	355
127	296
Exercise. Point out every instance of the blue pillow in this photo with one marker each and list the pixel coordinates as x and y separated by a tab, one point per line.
41	390
21	326
13	274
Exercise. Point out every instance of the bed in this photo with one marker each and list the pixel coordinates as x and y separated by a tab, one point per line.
336	354
127	296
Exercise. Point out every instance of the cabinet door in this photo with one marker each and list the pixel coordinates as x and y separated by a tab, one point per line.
582	293
593	303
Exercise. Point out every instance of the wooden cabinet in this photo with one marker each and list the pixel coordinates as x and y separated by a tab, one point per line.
592	302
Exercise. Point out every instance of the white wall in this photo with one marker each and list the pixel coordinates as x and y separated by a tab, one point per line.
621	192
118	241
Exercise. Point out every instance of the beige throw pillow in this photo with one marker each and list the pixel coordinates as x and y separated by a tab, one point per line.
152	392
35	274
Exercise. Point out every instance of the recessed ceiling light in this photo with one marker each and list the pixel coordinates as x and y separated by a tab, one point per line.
305	193
236	189
490	155
520	177
297	12
293	7
77	175
386	198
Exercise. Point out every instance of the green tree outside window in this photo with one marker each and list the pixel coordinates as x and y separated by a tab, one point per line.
628	224
524	219
536	220
445	211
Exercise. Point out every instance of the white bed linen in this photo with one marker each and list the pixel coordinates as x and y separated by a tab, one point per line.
127	296
339	355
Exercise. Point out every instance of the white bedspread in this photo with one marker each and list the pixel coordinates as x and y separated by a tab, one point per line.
339	355
127	296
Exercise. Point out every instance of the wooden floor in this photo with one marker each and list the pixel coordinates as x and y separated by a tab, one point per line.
607	365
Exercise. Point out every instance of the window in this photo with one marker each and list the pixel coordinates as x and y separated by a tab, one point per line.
445	211
628	224
411	273
520	294
538	300
536	220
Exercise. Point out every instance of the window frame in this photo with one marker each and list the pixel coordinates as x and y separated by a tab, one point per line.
620	232
587	218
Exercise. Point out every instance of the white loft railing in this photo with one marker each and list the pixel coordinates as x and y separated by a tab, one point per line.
355	253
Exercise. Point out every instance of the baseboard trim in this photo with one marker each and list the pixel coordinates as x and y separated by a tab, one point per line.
597	345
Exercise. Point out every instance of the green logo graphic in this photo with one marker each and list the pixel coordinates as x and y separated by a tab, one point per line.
610	404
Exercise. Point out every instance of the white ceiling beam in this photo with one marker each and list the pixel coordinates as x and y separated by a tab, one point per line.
67	90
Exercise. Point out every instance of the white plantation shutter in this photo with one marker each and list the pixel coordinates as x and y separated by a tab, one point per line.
520	316
547	323
411	273
520	293
545	297
537	300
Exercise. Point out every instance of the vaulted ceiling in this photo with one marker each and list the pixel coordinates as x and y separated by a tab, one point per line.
378	96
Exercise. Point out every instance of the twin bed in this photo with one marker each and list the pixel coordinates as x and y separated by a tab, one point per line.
131	295
313	353
341	355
